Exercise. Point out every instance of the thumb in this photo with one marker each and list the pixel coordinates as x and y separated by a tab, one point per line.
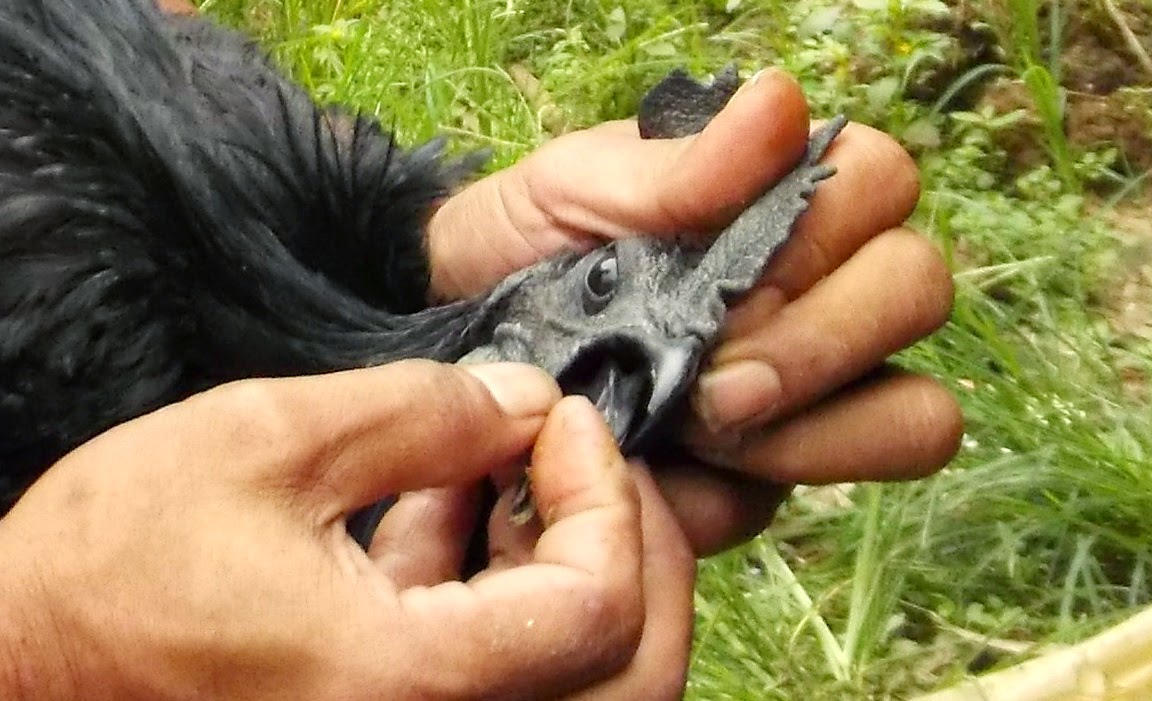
346	440
758	137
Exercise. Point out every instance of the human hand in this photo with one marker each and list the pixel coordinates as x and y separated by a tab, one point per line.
200	551
791	394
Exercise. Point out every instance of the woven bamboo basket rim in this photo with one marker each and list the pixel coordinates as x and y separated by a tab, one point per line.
1115	665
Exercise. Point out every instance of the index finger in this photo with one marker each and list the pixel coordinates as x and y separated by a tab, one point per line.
573	616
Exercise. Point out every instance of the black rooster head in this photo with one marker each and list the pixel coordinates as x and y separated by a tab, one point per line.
628	324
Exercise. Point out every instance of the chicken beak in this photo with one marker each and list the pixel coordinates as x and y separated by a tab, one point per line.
672	369
636	384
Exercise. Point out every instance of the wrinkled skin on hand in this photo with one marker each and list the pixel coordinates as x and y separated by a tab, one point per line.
137	568
798	391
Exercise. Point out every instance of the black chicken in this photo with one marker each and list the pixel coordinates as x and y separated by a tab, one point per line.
174	214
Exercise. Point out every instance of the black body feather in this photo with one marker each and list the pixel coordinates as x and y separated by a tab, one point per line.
174	214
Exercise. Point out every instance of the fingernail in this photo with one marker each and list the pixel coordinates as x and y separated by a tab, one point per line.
718	457
751	81
522	391
580	420
729	397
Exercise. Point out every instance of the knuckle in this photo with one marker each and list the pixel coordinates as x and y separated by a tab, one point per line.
423	379
423	382
253	407
450	402
257	419
617	614
465	403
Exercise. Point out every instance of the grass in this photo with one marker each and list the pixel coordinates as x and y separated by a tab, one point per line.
1038	533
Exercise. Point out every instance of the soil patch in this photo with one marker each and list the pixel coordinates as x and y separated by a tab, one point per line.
1105	69
1107	45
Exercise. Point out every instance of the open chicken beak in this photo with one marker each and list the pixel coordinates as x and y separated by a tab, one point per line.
636	384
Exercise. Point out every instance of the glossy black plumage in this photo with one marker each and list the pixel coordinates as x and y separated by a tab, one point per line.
174	214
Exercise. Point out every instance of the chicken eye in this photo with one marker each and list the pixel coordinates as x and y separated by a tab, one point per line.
600	281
